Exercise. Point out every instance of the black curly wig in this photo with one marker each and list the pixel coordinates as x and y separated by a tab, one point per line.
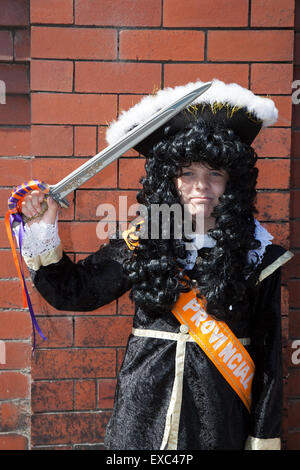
156	275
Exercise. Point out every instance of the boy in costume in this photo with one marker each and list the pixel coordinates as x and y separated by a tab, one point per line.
170	393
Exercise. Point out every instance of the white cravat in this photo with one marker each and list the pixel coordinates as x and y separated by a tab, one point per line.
204	240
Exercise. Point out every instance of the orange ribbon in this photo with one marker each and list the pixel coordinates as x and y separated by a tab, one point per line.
15	256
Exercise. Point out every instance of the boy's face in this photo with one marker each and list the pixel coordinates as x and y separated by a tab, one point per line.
200	188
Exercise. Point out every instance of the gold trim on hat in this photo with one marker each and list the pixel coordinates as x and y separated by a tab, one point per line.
217	106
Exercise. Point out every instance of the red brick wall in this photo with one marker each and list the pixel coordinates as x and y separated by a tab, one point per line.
15	329
87	64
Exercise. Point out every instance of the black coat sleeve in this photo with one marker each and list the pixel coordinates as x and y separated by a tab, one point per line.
88	284
266	411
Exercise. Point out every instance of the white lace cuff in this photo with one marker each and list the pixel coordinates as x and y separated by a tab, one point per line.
39	238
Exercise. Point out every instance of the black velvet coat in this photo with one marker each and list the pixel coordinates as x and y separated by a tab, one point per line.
212	415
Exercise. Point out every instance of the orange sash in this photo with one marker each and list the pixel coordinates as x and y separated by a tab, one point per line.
219	344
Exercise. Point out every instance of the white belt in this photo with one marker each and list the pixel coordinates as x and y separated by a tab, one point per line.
174	336
170	436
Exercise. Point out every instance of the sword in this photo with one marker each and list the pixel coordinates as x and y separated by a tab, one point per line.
97	163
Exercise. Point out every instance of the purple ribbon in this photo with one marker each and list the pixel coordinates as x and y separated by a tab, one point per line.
18	218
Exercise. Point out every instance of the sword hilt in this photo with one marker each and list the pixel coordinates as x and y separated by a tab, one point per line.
18	194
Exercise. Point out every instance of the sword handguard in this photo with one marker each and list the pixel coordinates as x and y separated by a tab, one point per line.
44	208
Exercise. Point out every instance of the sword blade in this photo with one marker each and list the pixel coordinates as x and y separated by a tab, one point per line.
97	163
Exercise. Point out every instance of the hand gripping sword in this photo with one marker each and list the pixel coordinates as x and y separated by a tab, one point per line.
78	177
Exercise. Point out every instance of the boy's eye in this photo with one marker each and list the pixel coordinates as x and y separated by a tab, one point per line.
190	173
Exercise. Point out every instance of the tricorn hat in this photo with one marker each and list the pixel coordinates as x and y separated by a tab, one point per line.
228	105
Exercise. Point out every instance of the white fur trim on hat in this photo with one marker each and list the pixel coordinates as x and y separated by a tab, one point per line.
233	94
